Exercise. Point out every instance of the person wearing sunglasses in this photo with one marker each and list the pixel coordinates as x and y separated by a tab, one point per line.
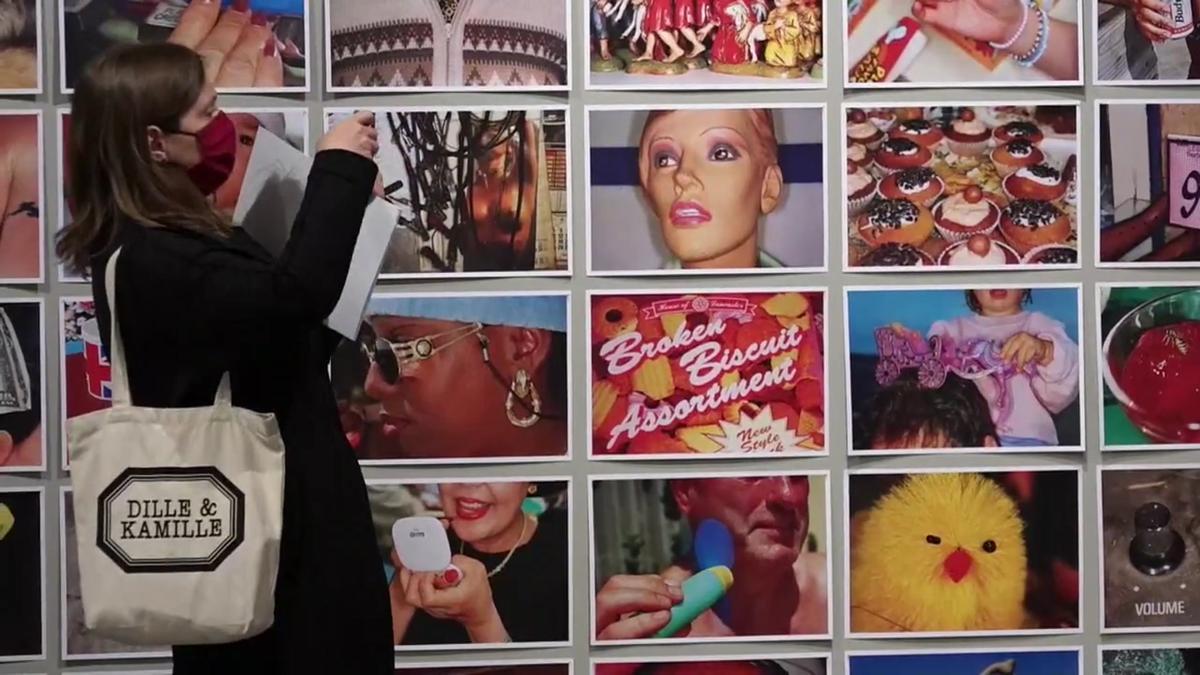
456	377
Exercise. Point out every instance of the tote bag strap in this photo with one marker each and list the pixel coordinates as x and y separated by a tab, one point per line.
121	397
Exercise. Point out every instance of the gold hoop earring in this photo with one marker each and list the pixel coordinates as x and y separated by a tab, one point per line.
532	490
522	388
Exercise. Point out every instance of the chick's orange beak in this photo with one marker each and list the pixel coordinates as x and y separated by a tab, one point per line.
957	565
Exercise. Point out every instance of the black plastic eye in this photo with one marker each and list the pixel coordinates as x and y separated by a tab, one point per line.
933	539
989	546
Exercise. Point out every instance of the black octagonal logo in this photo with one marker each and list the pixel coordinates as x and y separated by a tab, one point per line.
170	519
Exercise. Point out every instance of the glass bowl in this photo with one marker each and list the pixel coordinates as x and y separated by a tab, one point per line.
1178	307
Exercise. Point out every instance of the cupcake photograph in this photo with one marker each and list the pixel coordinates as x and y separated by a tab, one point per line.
947	177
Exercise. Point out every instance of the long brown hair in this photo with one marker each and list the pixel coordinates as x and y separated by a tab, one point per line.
112	176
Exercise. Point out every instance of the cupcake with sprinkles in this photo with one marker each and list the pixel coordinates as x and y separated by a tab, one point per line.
920	185
967	135
919	131
895	221
1040	181
1016	155
1018	129
900	153
1052	254
896	255
1029	223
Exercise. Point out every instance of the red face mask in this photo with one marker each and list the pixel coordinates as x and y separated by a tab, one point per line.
218	151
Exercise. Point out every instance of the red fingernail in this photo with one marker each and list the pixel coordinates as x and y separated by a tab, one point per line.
241	5
451	576
269	48
258	19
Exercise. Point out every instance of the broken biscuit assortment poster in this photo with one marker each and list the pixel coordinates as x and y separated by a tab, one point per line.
655	319
714	374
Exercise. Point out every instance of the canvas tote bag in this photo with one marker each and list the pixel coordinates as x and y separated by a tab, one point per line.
178	514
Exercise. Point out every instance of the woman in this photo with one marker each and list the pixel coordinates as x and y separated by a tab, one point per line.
493	382
514	585
197	299
710	176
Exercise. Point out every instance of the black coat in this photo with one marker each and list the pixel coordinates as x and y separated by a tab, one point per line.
192	307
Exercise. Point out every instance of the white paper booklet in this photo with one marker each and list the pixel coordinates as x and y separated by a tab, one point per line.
267	207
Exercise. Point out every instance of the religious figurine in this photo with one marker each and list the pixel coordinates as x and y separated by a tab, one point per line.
792	34
660	25
601	25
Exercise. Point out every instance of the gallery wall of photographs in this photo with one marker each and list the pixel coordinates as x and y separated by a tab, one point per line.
784	374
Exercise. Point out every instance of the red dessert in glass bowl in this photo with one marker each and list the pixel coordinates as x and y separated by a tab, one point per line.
1152	366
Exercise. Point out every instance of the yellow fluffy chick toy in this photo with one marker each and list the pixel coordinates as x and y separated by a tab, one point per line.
939	552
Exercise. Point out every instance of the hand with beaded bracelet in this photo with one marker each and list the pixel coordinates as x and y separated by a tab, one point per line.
1025	31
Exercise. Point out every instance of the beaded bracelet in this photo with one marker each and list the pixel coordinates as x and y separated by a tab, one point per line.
1017	33
1039	44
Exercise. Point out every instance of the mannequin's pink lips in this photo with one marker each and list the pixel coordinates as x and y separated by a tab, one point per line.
689	214
470	509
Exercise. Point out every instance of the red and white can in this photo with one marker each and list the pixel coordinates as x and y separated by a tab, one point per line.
1180	16
98	368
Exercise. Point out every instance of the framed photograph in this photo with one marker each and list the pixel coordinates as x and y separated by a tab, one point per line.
1172	659
85	383
457	378
517	667
1148	184
21	48
22	194
964	369
983	552
1044	660
77	643
771	664
383	46
480	192
503	563
712	374
940	188
22	557
698	189
894	43
713	557
706	44
272	34
22	385
1146	535
1135	48
1146	334
289	124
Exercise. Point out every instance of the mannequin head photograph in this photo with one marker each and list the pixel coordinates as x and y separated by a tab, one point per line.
475	377
710	177
699	190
